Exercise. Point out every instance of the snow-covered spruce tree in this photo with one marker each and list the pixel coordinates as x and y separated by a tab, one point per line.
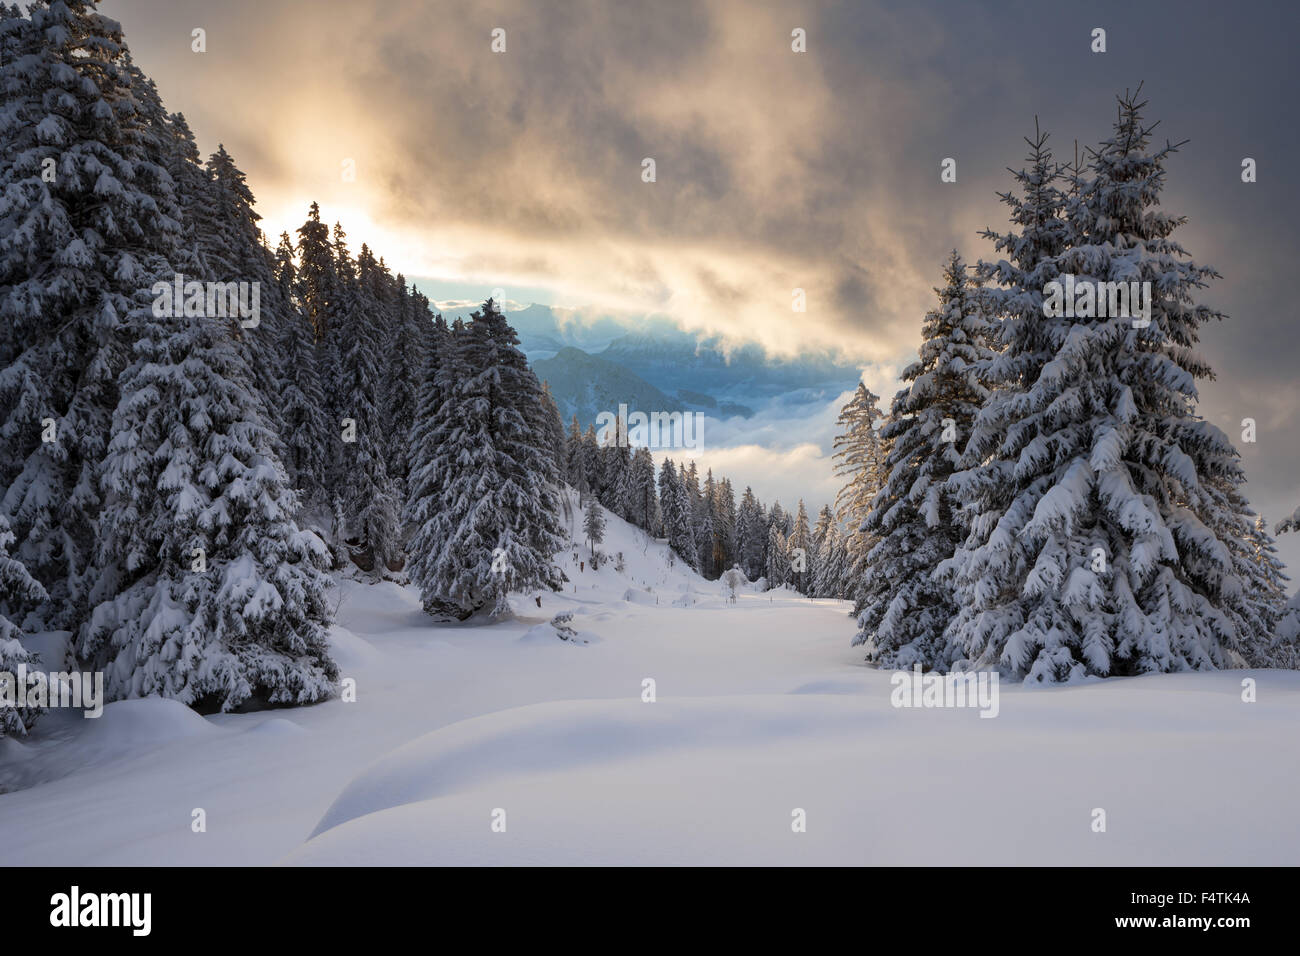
1102	519
989	480
832	564
859	458
404	350
206	589
1264	579
593	525
751	535
484	492
19	592
724	525
192	187
1285	648
575	471
369	499
777	567
902	609
676	509
613	459
316	281
234	251
429	398
320	298
821	530
706	530
801	552
553	429
593	465
642	498
87	209
701	528
300	395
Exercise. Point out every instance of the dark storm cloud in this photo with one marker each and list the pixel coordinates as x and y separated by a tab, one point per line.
775	170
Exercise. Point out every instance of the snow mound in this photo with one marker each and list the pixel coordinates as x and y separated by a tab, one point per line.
350	651
131	725
278	727
547	739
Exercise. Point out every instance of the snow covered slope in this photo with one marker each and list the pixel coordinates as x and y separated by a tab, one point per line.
761	709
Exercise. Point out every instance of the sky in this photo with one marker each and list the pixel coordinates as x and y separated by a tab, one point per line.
522	170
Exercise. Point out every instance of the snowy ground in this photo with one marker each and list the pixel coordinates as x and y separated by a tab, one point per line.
762	708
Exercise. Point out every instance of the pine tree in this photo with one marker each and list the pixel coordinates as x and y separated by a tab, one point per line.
369	497
801	551
575	466
302	400
859	458
819	532
193	189
701	528
434	388
206	590
593	526
90	217
777	569
642	498
903	610
615	460
19	591
485	498
404	349
1106	547
321	296
723	517
751	535
234	251
832	560
676	513
593	466
316	280
553	430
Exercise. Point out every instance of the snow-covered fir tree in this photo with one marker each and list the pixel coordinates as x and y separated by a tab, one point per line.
903	610
574	460
484	492
1099	501
642	499
206	590
552	427
19	593
301	397
701	522
832	561
860	459
402	354
677	513
751	535
234	251
777	563
801	552
89	218
723	506
369	497
593	525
